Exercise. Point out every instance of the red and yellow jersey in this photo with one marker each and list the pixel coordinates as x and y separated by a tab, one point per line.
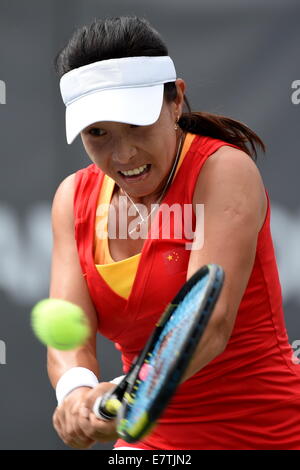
119	275
246	398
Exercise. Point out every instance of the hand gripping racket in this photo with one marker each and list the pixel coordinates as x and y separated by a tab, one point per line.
141	397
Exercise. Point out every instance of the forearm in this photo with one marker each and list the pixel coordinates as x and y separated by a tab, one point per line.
59	362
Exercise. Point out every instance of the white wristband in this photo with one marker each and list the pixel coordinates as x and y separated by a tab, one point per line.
74	378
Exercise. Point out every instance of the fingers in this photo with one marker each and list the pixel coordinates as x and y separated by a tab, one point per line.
77	425
97	392
98	429
70	431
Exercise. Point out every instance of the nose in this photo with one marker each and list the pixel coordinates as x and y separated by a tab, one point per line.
123	151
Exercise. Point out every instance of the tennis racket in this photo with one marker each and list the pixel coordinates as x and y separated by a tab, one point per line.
140	398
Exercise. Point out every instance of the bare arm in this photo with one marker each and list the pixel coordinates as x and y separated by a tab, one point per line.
231	189
71	418
67	282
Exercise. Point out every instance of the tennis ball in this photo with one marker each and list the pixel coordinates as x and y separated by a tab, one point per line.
60	324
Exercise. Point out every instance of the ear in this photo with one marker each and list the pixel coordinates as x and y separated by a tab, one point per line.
179	101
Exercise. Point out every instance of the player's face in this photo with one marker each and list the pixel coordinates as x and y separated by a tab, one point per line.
116	147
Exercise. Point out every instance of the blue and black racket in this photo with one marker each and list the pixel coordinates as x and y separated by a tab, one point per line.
141	397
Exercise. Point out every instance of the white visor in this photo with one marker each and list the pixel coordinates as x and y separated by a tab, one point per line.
128	90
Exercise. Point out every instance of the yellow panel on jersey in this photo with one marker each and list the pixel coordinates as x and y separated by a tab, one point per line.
101	249
119	275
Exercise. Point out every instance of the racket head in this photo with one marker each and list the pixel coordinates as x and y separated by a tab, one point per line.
168	353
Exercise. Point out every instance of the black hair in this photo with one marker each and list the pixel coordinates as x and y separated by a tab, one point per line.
132	36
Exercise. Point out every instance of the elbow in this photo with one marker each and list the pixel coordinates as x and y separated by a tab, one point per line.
221	327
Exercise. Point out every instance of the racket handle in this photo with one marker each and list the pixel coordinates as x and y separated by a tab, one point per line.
117	380
106	407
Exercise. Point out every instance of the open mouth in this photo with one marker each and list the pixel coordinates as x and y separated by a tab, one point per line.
136	173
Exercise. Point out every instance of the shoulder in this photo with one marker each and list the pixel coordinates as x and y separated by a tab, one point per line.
230	178
62	206
63	201
65	190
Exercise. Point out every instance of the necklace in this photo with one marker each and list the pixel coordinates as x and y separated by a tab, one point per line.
155	206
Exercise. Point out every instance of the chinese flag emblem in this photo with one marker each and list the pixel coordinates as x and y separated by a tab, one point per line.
173	256
174	261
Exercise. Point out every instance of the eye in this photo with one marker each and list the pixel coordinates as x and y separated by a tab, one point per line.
96	131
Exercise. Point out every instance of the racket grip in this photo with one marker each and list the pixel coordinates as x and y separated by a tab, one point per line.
106	407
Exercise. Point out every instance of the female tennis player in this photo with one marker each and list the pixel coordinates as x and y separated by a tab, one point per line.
150	152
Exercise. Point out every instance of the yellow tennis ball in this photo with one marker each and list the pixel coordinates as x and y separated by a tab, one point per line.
60	324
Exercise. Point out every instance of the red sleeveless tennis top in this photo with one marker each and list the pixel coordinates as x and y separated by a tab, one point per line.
246	398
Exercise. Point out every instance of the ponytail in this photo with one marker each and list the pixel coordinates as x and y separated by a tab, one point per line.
217	126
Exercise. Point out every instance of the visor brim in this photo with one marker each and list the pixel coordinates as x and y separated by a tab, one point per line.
139	106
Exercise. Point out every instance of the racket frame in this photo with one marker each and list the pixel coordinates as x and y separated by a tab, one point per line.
125	391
